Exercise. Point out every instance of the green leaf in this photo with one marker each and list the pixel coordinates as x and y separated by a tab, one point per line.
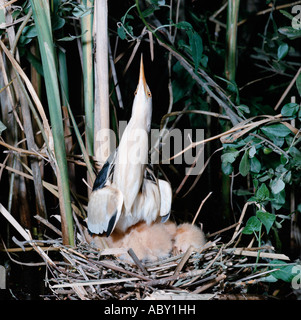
121	33
277	185
71	37
290	32
35	62
182	83
287	14
298	84
2	127
252	225
282	51
279	200
262	192
255	165
255	183
242	192
244	108
266	218
229	157
276	130
284	273
81	11
252	151
290	109
227	168
267	150
204	61
296	156
196	47
184	25
150	10
244	165
287	177
30	31
269	278
58	23
295	153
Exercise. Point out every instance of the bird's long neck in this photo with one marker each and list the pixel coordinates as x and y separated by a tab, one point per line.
141	116
133	155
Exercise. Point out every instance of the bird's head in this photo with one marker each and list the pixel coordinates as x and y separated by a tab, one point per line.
142	88
142	106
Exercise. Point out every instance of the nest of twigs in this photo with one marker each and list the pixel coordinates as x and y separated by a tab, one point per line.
215	271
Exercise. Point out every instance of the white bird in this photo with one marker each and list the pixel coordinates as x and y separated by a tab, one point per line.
126	190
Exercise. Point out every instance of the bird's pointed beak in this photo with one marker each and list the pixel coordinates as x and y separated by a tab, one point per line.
142	80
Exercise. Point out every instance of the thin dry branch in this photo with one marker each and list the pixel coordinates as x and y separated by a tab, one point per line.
227	137
200	207
287	89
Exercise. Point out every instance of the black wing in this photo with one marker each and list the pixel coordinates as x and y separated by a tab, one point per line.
105	172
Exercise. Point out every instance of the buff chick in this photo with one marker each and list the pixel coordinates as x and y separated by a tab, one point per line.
152	242
188	235
149	242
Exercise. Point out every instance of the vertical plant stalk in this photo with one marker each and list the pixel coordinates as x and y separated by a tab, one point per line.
69	146
230	72
231	38
101	110
63	76
88	74
28	130
41	13
17	196
7	103
36	80
36	172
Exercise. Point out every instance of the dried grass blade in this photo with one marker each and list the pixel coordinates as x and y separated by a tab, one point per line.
137	261
33	95
268	255
93	282
24	234
48	224
210	284
182	262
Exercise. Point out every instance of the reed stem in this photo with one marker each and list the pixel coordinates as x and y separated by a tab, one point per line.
41	13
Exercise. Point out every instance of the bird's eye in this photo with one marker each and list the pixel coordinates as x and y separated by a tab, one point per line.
135	92
149	94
